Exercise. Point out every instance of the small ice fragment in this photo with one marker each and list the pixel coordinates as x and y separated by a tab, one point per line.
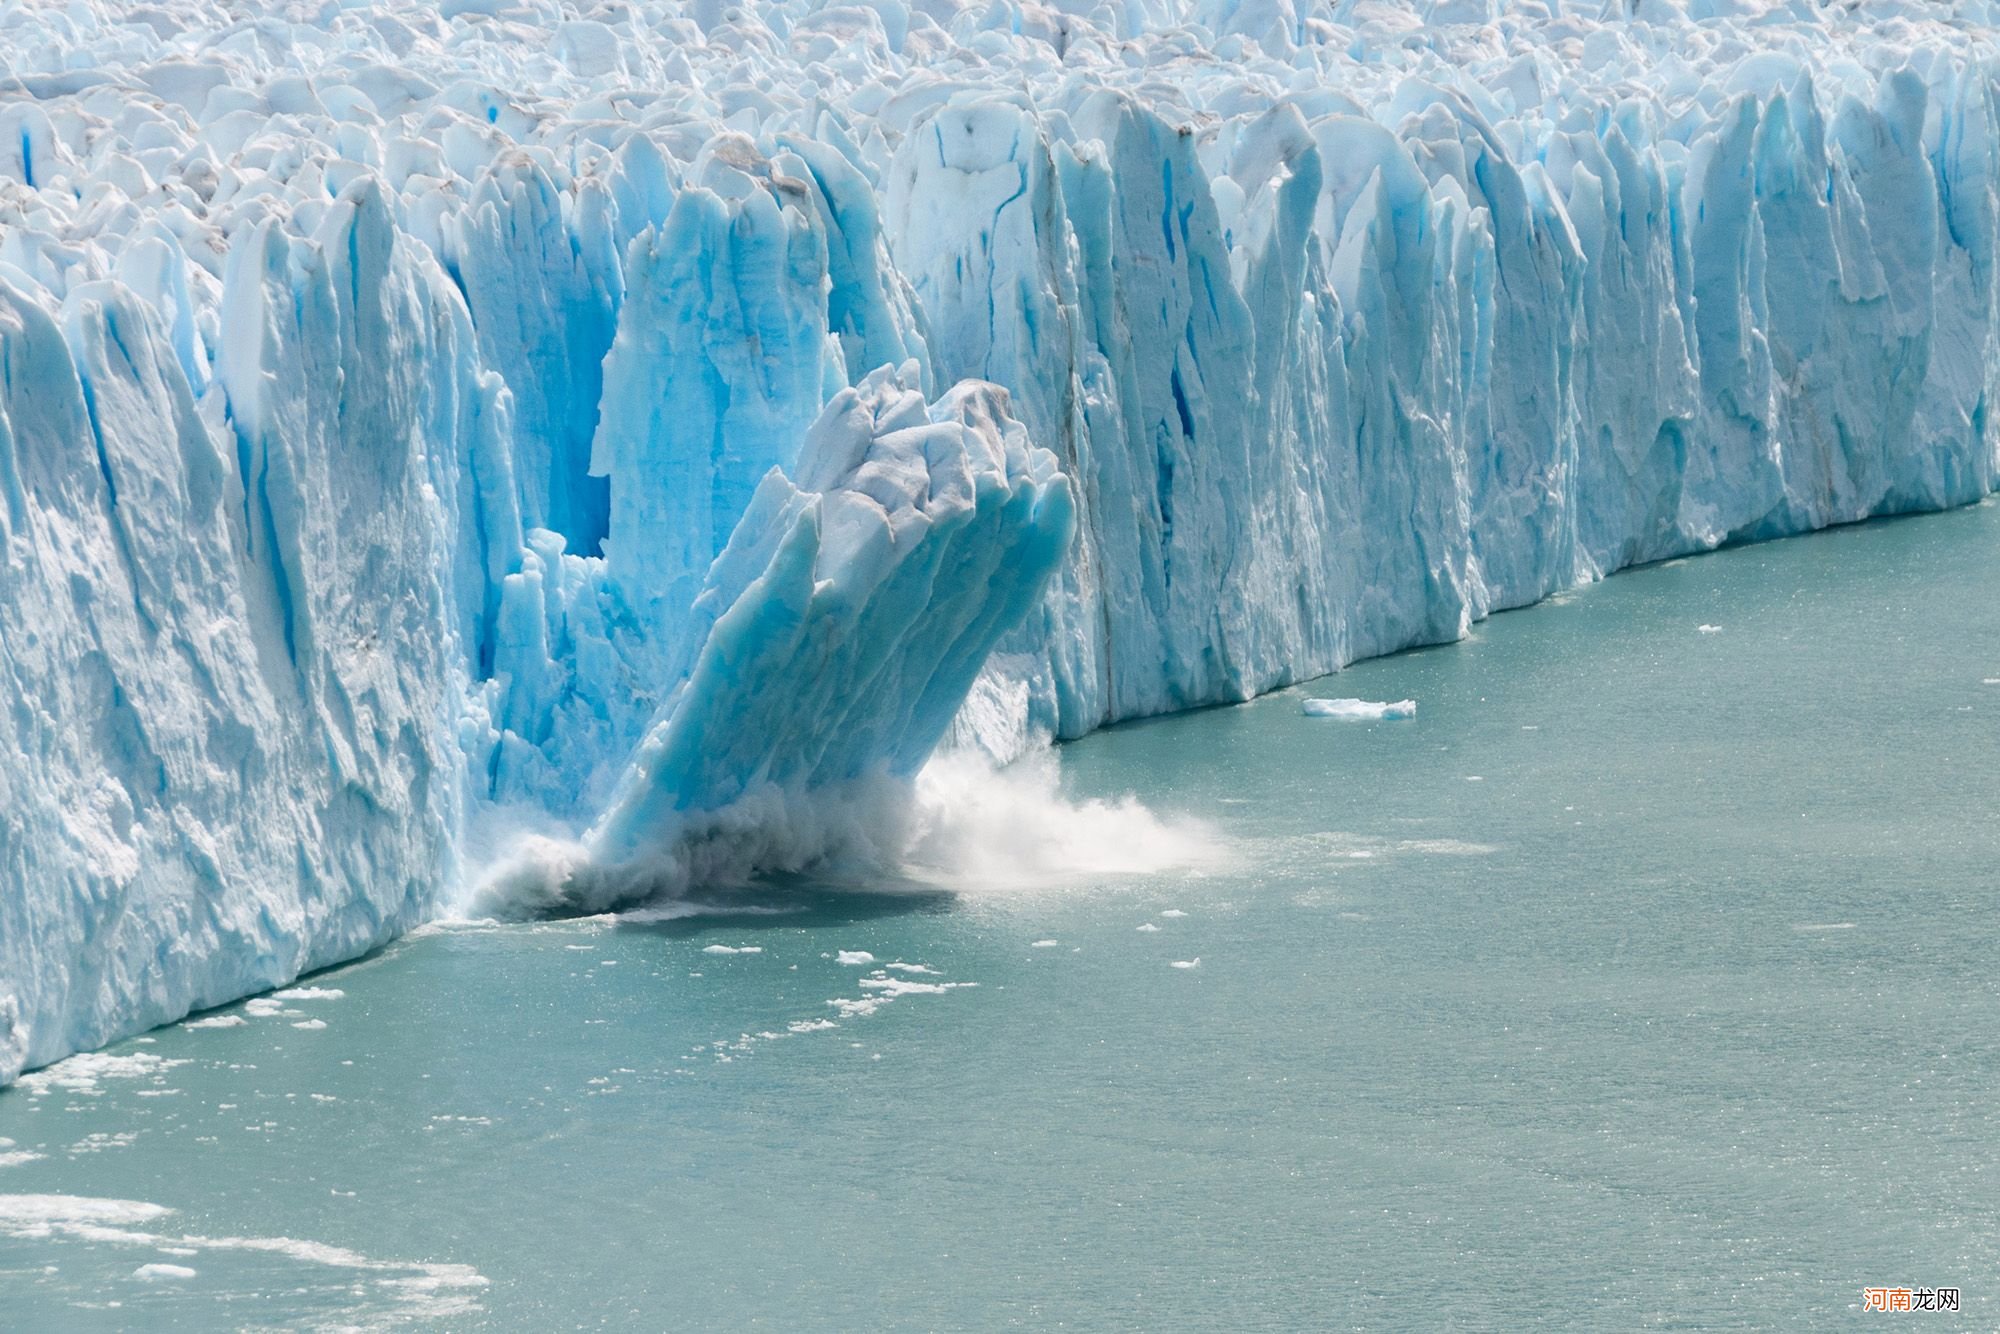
1990	681
854	958
1824	926
1195	962
732	949
1360	710
217	1021
161	1273
1709	629
310	1025
309	993
1173	912
1043	944
1148	926
1475	778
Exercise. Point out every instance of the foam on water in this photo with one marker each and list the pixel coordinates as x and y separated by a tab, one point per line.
969	825
421	1290
982	829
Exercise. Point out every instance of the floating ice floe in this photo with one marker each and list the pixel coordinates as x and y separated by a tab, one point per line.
1360	710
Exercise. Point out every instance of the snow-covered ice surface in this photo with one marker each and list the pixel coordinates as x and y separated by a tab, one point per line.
390	399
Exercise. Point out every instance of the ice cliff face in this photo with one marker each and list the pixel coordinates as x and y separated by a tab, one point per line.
415	425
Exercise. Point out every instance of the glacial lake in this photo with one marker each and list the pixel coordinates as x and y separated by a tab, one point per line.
1646	978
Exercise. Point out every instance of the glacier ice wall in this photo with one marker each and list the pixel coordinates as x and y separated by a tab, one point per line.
582	418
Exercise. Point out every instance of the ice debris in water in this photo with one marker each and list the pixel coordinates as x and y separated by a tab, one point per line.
1709	629
582	452
85	1074
1360	710
425	1292
1188	963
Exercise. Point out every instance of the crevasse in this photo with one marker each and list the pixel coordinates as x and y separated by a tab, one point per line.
657	427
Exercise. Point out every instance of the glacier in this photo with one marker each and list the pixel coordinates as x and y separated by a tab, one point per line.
532	456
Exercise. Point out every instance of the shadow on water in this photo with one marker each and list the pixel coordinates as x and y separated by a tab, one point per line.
791	901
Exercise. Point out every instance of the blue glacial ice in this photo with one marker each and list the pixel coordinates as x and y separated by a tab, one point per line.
511	455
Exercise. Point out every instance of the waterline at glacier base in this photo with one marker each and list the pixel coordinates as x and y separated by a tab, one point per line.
1681	1013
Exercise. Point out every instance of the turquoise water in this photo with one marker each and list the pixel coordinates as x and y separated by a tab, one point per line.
1644	979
